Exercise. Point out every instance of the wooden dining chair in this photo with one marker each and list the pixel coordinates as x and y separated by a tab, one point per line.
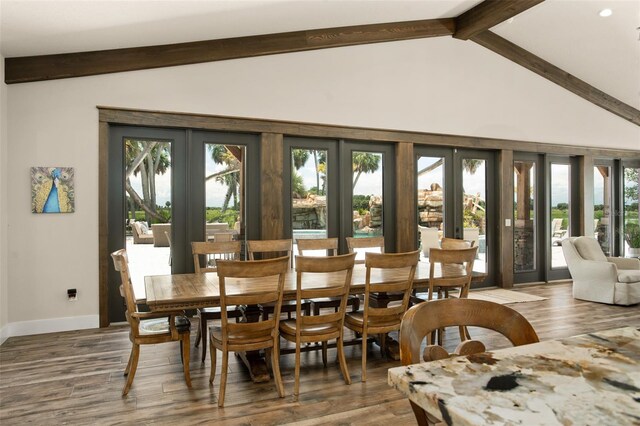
330	247
276	248
455	272
454	243
359	245
248	336
201	251
149	327
422	320
393	273
326	326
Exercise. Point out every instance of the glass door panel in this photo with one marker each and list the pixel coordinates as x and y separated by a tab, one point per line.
148	208
631	209
559	214
366	200
431	195
602	208
525	226
309	192
224	192
474	208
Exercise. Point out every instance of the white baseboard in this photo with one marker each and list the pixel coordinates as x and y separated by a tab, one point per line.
52	325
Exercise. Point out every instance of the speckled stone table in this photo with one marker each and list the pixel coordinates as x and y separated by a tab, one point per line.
591	379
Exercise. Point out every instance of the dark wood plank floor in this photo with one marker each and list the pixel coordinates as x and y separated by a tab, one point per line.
76	377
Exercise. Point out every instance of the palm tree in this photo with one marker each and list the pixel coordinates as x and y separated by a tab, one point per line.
230	176
364	162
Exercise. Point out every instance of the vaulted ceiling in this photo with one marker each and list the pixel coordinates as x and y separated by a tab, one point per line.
604	52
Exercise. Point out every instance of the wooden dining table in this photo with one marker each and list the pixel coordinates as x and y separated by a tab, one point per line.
191	291
590	379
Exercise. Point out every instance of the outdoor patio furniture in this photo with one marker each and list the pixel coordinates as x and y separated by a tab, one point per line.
159	237
598	278
141	234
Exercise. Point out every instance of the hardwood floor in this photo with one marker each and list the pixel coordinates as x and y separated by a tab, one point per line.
76	377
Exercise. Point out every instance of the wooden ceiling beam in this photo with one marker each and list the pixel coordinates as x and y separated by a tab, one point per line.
68	65
488	14
552	73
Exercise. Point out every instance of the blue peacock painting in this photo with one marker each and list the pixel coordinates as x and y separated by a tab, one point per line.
52	190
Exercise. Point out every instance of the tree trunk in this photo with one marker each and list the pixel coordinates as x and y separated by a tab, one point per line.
151	166
315	161
136	198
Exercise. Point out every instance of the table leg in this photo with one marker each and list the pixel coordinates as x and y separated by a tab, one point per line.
253	360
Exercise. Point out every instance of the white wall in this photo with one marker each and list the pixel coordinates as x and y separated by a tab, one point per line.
4	301
436	85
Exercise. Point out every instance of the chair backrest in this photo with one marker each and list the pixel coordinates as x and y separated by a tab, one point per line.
276	247
230	250
556	225
329	245
233	274
429	238
379	264
456	268
375	243
422	319
589	249
454	243
121	264
334	272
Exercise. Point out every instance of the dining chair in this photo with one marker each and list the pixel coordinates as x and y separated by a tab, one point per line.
393	273
455	271
248	336
149	327
422	320
365	245
326	326
454	243
276	248
330	247
229	250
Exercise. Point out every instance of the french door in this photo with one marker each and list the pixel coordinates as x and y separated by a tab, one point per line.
338	188
177	183
455	195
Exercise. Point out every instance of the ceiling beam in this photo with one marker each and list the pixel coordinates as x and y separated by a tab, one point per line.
551	72
50	67
488	14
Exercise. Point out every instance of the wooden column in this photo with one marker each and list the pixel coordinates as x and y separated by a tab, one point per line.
271	196
585	185
504	276
104	260
406	226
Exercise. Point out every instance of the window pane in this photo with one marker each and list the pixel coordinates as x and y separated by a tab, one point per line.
430	202
474	201
309	193
224	192
148	202
367	194
524	231
602	207
559	217
631	210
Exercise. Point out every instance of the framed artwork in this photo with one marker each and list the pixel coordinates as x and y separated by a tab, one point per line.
52	190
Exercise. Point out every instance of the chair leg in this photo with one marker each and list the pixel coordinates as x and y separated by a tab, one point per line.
296	386
185	359
275	366
316	309
464	333
343	361
383	344
223	377
133	365
202	330
198	332
213	353
126	370
364	355
324	353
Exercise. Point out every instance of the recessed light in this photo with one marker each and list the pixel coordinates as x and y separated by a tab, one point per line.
605	12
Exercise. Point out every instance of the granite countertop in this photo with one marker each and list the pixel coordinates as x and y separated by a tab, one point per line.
591	379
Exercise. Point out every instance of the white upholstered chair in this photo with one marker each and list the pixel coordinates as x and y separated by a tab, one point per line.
598	278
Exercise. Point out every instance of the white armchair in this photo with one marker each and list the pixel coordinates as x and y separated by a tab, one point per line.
597	278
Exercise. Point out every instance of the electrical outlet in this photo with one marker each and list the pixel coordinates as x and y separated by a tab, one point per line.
72	294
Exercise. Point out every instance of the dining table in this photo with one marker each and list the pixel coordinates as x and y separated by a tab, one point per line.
589	379
190	291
